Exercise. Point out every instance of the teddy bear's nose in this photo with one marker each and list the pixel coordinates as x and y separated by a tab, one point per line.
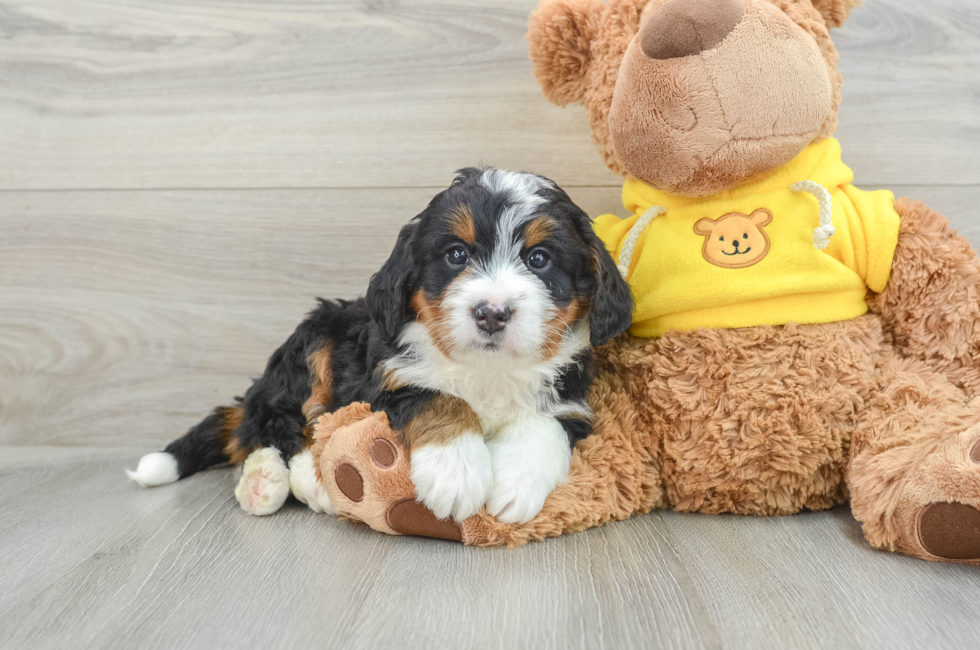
688	27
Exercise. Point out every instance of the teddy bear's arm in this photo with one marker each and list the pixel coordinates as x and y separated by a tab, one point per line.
931	304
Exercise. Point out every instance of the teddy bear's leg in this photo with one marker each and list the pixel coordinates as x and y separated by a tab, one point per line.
932	302
914	473
362	472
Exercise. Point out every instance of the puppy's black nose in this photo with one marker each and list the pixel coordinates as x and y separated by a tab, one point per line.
491	318
736	243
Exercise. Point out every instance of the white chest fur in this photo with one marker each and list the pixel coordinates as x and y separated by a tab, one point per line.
500	391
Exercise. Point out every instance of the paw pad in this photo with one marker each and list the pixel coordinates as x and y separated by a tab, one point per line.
950	530
409	517
350	482
383	453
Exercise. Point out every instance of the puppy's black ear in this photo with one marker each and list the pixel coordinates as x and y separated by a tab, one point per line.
612	304
390	292
612	299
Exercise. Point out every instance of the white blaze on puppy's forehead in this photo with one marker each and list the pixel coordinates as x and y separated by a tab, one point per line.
517	184
521	192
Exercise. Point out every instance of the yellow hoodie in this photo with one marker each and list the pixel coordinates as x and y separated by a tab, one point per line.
750	255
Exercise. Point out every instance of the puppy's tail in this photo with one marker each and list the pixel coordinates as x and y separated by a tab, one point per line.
204	446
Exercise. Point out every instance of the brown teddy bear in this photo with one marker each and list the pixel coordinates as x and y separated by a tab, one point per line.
797	342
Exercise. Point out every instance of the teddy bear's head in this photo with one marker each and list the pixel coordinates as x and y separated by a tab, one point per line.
694	96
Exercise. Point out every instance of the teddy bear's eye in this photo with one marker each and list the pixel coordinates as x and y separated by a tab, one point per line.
722	239
745	236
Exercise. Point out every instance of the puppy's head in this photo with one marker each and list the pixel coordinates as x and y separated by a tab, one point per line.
501	264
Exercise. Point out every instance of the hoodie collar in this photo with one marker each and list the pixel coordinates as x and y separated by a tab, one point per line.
820	162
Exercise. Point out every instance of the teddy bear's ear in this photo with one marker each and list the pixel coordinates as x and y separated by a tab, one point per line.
761	218
560	33
704	227
835	12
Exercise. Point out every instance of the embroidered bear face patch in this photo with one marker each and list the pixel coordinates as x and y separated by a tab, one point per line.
735	241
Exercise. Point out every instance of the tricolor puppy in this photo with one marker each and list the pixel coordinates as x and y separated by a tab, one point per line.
475	338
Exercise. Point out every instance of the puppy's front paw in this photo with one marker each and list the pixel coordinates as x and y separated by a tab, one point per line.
305	487
453	480
529	461
517	496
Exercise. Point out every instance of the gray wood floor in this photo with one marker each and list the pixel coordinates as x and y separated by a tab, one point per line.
178	179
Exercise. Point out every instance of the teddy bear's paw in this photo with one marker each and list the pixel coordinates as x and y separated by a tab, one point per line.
453	480
948	528
264	484
950	531
365	475
305	487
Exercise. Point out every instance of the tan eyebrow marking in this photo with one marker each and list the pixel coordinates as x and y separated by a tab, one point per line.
538	230
461	220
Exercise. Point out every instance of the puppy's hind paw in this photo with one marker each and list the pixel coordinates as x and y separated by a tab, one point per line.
264	484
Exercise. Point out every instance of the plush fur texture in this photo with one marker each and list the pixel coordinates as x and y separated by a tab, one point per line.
883	410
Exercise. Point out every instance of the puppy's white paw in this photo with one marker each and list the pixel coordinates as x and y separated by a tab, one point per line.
530	459
304	486
517	499
264	485
453	480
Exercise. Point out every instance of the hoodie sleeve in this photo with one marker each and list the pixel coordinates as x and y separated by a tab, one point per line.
875	236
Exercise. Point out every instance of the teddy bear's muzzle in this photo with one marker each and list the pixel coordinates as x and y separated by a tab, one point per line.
688	27
713	92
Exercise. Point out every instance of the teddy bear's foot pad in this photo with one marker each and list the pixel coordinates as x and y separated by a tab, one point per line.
349	481
950	531
409	517
406	515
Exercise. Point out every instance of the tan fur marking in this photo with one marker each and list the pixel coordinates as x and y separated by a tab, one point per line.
321	389
463	227
557	326
538	230
390	382
321	383
429	314
231	419
443	420
236	453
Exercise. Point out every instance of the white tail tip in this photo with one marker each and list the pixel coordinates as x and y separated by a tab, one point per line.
158	468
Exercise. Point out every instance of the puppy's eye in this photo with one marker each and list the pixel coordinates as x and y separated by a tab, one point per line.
538	259
722	239
745	236
457	256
